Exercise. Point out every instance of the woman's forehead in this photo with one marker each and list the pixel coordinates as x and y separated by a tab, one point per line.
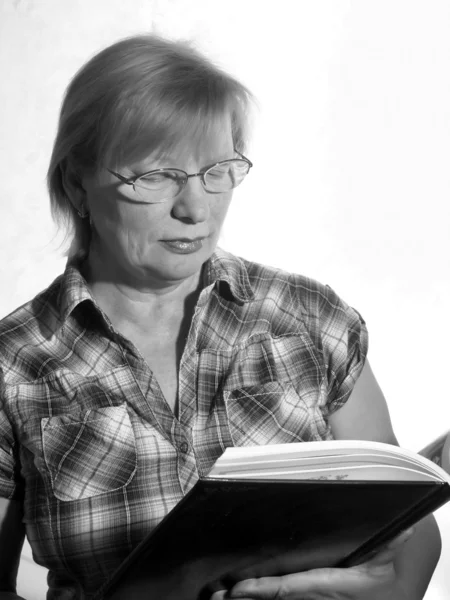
201	139
202	151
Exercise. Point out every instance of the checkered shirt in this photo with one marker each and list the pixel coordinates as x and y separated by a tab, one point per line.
88	443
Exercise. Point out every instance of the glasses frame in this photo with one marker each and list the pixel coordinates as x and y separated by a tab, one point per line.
132	180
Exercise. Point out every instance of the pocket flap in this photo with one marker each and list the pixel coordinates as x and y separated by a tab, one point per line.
89	454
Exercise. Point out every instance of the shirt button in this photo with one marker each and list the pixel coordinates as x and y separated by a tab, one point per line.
183	447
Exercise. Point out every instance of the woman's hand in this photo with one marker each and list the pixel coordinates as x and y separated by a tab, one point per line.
373	580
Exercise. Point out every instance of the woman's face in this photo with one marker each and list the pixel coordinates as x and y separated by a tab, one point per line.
150	245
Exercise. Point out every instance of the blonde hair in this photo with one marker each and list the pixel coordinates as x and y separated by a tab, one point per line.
139	95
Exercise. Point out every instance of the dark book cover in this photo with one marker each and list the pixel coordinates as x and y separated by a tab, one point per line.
224	531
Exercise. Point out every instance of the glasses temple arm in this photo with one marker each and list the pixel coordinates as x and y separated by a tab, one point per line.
128	181
244	157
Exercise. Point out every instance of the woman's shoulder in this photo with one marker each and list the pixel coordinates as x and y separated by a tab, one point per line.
264	278
30	323
297	296
31	308
332	324
313	296
262	275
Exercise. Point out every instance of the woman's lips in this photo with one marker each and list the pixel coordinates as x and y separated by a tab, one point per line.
183	245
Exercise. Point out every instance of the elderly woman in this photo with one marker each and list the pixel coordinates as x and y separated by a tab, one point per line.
125	380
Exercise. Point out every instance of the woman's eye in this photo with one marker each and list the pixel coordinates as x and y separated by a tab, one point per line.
219	173
155	178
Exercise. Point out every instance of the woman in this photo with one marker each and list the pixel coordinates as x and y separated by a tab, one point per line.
124	380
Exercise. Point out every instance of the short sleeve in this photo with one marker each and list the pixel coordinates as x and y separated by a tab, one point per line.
9	480
344	340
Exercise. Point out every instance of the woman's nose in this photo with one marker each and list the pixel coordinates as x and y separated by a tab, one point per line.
192	203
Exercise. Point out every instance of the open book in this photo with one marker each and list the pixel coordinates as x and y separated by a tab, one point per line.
270	510
334	460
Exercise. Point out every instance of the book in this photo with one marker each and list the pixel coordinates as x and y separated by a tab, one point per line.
277	509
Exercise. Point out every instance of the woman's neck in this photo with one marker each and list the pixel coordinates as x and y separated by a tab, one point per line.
138	303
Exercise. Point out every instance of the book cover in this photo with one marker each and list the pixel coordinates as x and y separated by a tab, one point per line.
225	530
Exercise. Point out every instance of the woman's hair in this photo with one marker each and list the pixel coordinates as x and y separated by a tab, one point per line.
141	95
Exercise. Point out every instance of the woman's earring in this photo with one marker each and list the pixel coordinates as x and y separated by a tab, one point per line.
82	213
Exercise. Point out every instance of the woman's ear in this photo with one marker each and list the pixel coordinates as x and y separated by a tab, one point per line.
72	183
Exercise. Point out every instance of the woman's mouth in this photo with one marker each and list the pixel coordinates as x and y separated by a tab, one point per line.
184	245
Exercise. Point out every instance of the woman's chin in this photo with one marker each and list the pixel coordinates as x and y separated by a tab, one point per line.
177	266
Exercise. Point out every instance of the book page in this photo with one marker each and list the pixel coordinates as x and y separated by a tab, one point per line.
305	462
350	472
325	455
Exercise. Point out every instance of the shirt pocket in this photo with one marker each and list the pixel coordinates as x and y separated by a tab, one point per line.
90	454
270	413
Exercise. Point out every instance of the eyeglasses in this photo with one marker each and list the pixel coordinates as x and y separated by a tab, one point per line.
160	185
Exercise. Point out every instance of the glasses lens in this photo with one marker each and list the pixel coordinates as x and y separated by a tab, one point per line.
226	175
160	185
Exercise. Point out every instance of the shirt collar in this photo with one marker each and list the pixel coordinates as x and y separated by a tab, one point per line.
222	266
226	267
73	290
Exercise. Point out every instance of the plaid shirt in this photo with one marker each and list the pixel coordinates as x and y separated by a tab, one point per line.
87	441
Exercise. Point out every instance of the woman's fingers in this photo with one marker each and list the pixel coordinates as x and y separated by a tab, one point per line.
290	587
372	577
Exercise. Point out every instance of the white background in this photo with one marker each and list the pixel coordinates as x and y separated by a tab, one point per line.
351	180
